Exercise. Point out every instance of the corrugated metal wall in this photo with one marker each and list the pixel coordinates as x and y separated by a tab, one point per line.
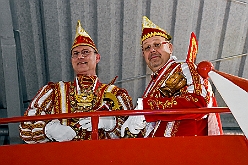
36	37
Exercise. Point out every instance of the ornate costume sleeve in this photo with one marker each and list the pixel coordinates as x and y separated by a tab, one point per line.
205	90
124	103
183	101
193	95
33	131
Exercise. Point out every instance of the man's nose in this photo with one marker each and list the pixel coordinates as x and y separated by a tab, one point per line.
81	55
152	49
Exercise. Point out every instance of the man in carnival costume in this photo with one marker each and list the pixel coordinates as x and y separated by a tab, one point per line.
85	94
173	85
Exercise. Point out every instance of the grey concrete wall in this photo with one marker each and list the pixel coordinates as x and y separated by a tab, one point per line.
41	34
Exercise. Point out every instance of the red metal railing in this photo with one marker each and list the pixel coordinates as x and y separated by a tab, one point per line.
95	115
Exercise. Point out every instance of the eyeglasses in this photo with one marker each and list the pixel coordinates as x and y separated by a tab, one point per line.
155	46
84	53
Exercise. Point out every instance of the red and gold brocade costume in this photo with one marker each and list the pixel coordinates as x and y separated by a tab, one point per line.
195	94
85	94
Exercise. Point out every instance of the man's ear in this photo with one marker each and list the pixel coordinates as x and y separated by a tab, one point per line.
168	48
171	48
98	58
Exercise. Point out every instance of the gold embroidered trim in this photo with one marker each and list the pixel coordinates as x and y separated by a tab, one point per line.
196	79
152	34
36	139
32	126
156	104
175	129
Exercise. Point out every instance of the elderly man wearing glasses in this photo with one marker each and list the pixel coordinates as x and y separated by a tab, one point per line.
85	94
173	85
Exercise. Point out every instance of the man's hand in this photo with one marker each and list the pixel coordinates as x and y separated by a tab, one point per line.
55	131
85	123
134	124
107	123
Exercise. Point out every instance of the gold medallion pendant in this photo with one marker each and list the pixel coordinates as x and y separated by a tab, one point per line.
83	102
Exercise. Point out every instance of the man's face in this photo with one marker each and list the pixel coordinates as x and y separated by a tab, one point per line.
84	60
156	51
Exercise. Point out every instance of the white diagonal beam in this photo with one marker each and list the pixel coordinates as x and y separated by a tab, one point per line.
235	97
